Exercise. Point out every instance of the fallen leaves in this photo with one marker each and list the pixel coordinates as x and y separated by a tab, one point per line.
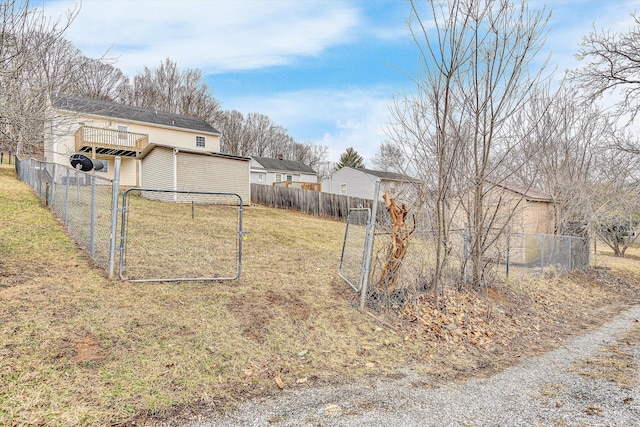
457	317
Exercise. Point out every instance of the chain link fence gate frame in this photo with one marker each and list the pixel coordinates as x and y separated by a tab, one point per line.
352	259
180	235
359	260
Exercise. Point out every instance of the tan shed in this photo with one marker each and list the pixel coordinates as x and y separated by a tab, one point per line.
170	168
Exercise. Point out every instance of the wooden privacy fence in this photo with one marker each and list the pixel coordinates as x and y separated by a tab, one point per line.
316	203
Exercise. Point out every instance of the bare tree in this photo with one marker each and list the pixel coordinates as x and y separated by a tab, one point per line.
100	79
477	56
564	150
169	89
258	135
390	158
235	139
614	65
31	52
612	201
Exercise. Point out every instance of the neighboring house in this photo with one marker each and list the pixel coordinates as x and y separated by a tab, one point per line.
360	182
269	171
103	130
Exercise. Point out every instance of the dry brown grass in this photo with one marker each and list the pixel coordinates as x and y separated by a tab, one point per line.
78	349
615	362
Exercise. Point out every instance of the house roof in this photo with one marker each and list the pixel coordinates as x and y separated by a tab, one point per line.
96	107
527	193
387	176
283	165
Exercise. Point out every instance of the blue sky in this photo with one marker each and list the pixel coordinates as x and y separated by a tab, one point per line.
325	70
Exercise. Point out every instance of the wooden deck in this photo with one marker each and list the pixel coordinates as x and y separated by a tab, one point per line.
109	142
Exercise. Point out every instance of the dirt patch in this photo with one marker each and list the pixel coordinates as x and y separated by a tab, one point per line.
86	349
296	308
257	312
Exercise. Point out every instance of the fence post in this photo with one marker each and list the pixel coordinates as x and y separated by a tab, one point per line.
570	253
92	237
542	254
52	189
114	216
508	249
369	240
39	179
465	250
66	200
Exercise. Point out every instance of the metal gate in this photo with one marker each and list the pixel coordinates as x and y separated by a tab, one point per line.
352	260
180	235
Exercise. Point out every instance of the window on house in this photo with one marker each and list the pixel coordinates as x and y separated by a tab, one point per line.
343	189
199	141
122	131
278	177
261	178
289	178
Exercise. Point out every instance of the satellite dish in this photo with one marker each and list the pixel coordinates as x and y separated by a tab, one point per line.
85	164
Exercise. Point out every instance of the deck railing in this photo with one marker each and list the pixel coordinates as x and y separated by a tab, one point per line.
313	186
102	141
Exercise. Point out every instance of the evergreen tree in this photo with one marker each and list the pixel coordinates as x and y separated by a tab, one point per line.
350	158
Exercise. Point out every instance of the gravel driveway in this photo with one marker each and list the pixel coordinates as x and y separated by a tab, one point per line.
538	392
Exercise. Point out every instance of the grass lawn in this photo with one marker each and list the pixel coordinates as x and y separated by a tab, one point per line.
78	349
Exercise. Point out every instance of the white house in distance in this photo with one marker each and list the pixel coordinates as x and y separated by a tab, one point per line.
360	182
270	171
157	149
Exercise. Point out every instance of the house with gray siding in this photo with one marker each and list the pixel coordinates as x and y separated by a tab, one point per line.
267	171
360	182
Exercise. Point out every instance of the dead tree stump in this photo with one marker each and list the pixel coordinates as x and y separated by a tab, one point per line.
400	234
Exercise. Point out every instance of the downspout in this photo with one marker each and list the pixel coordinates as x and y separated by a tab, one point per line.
175	173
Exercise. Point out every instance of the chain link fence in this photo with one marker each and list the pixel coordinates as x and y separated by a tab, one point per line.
82	201
165	235
544	252
509	255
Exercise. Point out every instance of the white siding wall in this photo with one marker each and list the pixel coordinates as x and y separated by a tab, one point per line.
359	184
307	177
212	173
157	169
258	177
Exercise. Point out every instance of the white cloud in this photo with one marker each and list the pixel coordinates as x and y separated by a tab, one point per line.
354	117
213	36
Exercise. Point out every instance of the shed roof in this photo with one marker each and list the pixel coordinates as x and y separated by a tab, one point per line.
283	165
527	193
96	107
